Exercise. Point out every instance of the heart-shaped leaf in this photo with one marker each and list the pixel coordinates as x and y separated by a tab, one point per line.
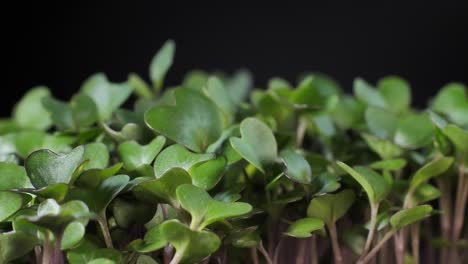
106	95
396	92
161	63
430	170
97	156
178	156
239	85
14	245
304	227
134	155
257	144
216	91
56	191
99	198
191	246
204	209
414	131
30	140
207	174
376	187
80	112
29	112
93	177
13	177
45	167
331	207
152	241
163	188
297	167
194	121
408	216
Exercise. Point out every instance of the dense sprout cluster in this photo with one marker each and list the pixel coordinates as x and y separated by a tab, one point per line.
214	171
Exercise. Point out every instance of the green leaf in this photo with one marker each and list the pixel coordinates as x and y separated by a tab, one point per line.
106	95
73	234
238	86
99	198
331	207
29	112
152	241
458	137
216	91
28	141
257	144
375	186
14	245
13	177
348	112
297	167
384	148
45	167
93	177
408	216
194	121
204	209
364	92
177	156
161	63
193	246
303	228
430	170
207	174
396	92
144	259
414	131
10	203
97	155
452	101
163	188
54	191
139	86
80	112
130	212
425	193
88	251
381	122
392	164
134	155
101	261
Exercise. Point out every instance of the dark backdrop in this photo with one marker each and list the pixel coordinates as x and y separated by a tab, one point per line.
59	45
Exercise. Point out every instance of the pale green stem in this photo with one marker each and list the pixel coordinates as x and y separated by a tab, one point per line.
377	247
102	221
373	223
335	245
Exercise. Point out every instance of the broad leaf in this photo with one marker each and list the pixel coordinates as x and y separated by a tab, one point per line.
193	246
45	167
152	241
207	174
430	170
452	101
297	167
29	112
10	203
368	94
396	92
134	155
414	131
177	156
73	234
97	156
257	144
381	122
384	148
14	245
391	165
204	209
13	176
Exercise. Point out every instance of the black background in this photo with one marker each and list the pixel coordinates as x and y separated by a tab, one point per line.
59	45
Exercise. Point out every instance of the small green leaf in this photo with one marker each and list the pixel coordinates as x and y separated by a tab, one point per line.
99	198
257	144
459	138
106	95
396	92
73	234
408	216
101	261
97	156
29	112
239	85
164	188
376	187
207	174
14	245
414	131
368	94
139	86
425	193
194	121
144	259
216	91
88	251
152	241
10	203
80	112
193	246
452	101
161	63
297	167
28	141
204	209
13	177
392	164
331	207
384	148
381	122
430	170
177	156
134	155
45	167
303	228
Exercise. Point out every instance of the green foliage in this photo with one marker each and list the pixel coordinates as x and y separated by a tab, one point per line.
212	171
